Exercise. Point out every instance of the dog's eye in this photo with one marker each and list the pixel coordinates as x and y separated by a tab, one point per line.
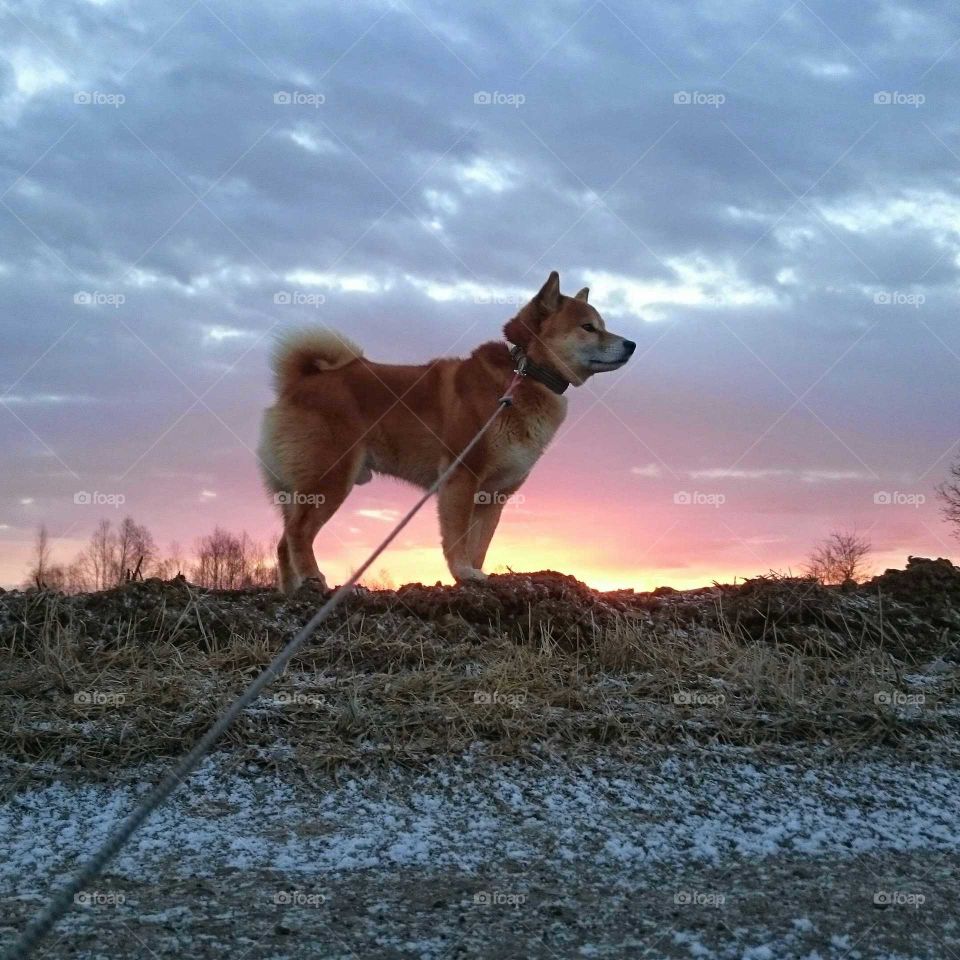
589	327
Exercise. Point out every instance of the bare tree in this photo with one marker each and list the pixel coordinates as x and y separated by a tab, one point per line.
262	573
43	572
176	557
227	561
112	556
839	558
169	566
99	558
949	494
76	576
41	557
135	550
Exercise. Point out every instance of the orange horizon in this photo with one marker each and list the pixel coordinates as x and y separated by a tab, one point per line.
417	560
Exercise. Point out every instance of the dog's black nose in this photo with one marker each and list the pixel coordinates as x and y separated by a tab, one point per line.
629	346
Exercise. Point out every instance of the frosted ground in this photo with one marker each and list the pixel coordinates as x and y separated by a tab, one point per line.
714	855
527	769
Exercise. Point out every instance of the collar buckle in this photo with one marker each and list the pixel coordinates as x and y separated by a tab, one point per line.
545	375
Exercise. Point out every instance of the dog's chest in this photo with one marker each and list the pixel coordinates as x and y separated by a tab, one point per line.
517	447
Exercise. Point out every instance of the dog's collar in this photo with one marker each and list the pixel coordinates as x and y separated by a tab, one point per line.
527	368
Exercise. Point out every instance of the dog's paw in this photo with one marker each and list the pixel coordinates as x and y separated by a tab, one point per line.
356	590
469	575
312	585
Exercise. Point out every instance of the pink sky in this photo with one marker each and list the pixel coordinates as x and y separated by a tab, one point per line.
642	487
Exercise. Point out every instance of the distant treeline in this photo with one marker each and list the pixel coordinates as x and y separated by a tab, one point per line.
115	555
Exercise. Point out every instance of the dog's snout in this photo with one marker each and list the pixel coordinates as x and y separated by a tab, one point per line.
629	346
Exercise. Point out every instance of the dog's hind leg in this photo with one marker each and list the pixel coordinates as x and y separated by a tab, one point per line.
285	574
306	515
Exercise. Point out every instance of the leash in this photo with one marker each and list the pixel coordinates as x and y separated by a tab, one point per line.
64	899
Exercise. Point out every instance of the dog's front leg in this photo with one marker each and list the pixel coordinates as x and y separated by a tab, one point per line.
486	516
456	503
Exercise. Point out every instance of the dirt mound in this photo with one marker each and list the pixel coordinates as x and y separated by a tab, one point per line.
517	602
921	604
525	664
914	613
177	612
933	584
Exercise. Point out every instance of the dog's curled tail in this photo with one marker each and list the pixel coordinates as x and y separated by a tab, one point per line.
303	352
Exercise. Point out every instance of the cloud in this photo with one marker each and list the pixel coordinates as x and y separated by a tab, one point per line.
16	399
767	238
486	175
310	141
385	515
217	334
343	283
695	282
773	473
728	473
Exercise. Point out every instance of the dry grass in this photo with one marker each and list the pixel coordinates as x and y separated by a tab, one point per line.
93	684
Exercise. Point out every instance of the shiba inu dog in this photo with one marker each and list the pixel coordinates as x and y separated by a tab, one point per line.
340	418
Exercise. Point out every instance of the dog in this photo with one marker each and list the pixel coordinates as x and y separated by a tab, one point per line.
340	418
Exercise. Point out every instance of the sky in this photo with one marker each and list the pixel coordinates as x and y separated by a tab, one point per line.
764	196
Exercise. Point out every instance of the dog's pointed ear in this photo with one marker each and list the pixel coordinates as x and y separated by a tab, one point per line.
549	296
583	294
526	324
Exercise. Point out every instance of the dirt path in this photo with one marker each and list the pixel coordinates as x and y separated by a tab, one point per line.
720	856
781	908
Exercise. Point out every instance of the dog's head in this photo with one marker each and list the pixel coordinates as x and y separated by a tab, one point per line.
567	334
